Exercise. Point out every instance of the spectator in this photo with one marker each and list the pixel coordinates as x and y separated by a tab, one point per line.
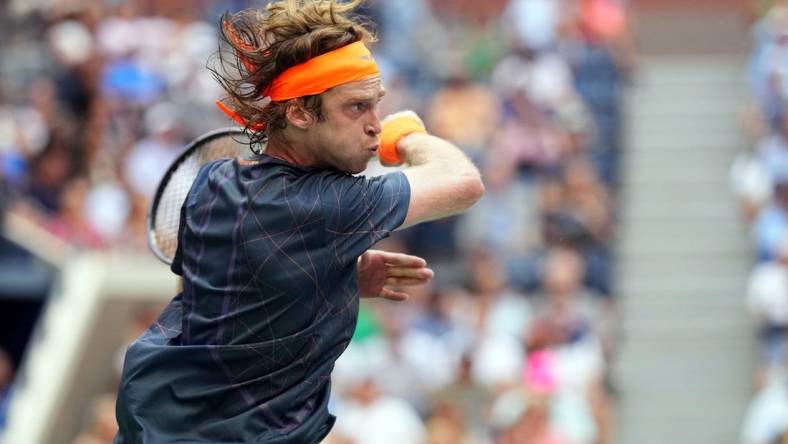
470	398
766	419
533	23
102	425
149	159
565	349
71	225
576	213
565	304
772	222
447	425
501	314
407	25
519	419
772	151
370	417
501	310
598	76
50	171
768	84
751	184
465	113
767	299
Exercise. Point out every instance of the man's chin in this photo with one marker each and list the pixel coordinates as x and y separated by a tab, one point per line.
356	168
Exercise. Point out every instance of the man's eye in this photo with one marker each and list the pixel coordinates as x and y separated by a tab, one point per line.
359	106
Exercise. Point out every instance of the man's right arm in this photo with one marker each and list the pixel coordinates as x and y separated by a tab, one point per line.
443	181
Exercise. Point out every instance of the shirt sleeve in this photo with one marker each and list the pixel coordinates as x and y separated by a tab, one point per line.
361	211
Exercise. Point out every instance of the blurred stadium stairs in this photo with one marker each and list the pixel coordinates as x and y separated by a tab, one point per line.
685	365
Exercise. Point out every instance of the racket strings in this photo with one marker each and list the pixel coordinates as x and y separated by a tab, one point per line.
166	214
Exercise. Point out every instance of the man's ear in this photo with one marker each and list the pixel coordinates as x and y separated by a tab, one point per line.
298	116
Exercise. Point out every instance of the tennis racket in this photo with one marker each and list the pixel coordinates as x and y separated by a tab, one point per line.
165	213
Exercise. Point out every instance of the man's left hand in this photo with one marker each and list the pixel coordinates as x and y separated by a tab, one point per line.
378	270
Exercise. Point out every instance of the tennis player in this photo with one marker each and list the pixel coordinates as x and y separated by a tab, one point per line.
274	253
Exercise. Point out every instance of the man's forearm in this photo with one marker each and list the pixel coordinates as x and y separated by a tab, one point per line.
424	150
443	179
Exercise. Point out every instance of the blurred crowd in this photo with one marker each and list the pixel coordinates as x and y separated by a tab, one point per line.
511	342
759	179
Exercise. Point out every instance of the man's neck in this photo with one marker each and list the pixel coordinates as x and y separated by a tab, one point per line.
289	152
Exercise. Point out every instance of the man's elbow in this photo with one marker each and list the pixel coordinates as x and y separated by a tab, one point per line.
473	189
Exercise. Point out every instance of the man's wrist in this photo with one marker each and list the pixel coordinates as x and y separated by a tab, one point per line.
396	129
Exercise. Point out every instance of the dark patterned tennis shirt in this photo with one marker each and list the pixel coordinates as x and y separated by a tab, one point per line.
244	354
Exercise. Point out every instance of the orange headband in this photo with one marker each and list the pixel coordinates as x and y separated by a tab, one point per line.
344	65
317	75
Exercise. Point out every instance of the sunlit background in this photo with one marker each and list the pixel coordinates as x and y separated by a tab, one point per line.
624	280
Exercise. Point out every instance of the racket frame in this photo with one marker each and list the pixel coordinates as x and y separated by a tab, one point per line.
194	145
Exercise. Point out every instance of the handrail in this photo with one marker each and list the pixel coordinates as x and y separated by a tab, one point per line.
27	234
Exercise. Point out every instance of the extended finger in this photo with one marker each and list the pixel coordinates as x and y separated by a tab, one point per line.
393	295
417	273
406	282
403	260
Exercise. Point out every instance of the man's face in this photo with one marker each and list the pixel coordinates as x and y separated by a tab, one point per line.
347	137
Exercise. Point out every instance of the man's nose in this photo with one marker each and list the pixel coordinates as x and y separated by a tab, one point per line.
374	126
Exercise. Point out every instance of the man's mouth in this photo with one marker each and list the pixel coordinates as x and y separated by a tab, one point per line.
374	148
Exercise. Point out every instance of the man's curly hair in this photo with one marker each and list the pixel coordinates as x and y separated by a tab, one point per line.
257	45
